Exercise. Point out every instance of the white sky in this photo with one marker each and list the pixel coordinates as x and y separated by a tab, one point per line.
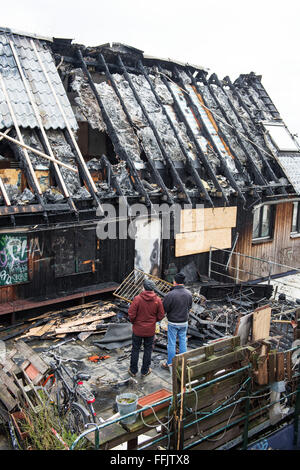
229	37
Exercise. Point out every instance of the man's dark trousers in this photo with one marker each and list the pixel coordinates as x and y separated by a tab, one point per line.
136	346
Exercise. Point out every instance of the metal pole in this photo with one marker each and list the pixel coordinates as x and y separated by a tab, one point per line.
5	195
246	425
209	262
233	247
37	152
237	268
296	415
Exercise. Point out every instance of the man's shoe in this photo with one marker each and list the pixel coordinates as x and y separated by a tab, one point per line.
131	373
165	366
147	373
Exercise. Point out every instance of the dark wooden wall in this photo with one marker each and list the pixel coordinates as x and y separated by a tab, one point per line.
50	263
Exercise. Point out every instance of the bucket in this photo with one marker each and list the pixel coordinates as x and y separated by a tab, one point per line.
127	403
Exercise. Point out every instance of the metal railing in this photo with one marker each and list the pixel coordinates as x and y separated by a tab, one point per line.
235	269
224	406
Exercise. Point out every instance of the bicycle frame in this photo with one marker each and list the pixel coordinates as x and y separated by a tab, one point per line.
72	392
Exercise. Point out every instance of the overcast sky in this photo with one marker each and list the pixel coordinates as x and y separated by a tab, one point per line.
229	37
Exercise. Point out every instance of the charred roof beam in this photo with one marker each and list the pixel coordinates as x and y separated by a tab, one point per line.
23	164
228	120
264	160
150	162
202	157
222	160
260	179
173	170
255	81
112	178
114	137
58	179
189	162
236	158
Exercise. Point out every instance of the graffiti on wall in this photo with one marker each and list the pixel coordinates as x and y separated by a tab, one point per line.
13	259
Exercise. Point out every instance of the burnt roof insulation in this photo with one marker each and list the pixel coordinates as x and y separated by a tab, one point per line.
174	133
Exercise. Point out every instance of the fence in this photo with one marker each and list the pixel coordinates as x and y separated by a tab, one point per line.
216	401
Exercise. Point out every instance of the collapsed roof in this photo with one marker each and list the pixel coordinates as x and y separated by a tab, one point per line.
161	130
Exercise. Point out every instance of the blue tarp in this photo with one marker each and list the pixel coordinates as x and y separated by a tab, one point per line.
279	440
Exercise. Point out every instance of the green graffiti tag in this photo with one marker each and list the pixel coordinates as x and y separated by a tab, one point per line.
13	259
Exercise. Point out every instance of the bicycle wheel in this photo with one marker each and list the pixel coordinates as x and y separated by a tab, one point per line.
76	417
62	398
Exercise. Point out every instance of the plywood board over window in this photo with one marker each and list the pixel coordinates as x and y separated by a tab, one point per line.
201	229
261	323
195	220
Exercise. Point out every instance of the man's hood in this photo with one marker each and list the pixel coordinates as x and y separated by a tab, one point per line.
148	295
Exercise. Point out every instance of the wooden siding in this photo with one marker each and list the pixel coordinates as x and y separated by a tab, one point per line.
281	248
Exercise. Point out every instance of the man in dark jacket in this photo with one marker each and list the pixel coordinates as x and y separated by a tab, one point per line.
145	310
177	304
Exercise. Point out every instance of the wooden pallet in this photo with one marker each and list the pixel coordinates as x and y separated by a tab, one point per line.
19	383
33	366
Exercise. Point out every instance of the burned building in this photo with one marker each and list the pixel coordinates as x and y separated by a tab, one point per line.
83	127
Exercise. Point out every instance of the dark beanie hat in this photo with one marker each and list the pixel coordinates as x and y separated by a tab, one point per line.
179	278
148	285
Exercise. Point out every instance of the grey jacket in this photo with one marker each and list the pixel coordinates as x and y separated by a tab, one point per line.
177	304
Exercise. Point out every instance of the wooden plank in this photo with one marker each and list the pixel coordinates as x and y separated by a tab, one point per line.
261	323
272	366
85	320
288	362
220	348
279	367
44	329
244	327
39	330
195	220
8	382
262	370
190	243
33	357
11	176
79	328
218	362
6	398
209	395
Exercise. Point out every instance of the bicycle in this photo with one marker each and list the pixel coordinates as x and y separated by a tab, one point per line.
68	389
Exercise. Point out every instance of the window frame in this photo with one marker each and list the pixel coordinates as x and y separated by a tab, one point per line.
260	237
297	232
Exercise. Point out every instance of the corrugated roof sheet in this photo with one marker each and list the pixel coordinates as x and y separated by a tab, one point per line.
45	100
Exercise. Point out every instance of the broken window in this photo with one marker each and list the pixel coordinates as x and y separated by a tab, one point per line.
281	137
296	218
74	251
263	222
